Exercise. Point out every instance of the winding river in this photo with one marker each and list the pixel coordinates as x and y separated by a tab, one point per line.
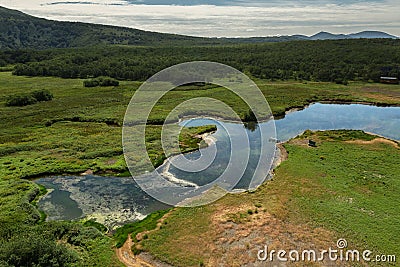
112	200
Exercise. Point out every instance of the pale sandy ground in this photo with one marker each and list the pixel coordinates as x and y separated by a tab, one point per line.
375	141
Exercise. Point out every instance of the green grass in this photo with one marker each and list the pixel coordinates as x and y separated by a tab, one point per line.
357	191
350	189
78	129
76	138
40	191
149	223
15	197
99	252
184	237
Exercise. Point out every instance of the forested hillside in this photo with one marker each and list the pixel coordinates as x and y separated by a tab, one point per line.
330	60
19	30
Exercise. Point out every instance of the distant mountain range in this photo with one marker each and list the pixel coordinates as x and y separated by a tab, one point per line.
318	36
364	34
19	30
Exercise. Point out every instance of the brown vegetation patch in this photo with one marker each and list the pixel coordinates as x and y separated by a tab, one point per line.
111	162
375	141
301	142
381	91
382	98
237	242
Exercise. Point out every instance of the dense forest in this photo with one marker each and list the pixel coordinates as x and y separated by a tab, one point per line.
40	47
329	60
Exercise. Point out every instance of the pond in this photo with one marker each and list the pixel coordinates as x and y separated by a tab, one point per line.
112	200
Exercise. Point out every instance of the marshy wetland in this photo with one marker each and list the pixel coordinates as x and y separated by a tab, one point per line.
114	200
79	130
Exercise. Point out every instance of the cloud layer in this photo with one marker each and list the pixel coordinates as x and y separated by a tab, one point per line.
220	18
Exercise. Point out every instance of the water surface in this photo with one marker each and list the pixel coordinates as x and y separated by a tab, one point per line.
118	200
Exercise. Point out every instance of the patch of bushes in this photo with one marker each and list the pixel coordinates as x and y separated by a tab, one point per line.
29	99
20	100
42	95
81	236
108	121
101	81
249	116
341	81
136	250
98	226
21	245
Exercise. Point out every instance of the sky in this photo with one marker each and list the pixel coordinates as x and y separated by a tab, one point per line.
222	18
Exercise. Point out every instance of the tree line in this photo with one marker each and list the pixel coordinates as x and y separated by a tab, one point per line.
328	61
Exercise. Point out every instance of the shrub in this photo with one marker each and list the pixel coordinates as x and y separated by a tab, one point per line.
20	100
101	81
98	226
34	249
90	83
136	250
341	81
42	95
29	99
108	82
82	237
249	116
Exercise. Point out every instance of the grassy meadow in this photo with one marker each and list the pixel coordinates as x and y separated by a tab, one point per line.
80	128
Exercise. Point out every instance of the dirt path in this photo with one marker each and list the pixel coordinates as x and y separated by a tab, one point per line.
125	255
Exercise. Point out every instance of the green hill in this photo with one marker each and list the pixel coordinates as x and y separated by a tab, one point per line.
19	30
